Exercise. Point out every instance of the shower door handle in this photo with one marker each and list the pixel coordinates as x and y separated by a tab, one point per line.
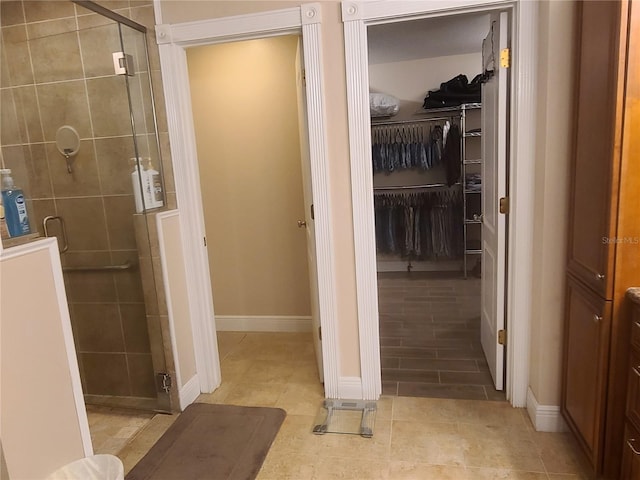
63	230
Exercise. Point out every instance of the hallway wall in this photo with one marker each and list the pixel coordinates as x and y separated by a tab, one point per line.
245	115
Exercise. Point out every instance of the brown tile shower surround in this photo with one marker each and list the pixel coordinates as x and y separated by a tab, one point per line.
430	337
113	314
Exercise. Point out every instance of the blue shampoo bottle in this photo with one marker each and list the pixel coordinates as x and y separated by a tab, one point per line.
15	206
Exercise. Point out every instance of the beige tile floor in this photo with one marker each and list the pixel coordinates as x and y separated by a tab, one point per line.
414	438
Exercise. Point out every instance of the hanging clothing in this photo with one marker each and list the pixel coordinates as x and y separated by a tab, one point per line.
451	155
423	225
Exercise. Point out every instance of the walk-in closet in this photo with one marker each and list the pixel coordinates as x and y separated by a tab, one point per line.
426	143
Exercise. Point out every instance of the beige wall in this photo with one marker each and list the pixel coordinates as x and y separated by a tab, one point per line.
556	21
176	288
419	76
555	110
39	421
245	114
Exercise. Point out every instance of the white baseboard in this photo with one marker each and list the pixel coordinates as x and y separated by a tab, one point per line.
350	388
400	266
262	323
545	418
189	392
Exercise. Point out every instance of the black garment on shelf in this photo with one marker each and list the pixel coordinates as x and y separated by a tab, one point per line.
451	155
455	92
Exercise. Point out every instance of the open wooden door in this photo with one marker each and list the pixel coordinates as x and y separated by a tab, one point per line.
494	182
308	221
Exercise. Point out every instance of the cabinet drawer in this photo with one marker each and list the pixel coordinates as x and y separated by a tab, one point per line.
635	328
631	454
633	389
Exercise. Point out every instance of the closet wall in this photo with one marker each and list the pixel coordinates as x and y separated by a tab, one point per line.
245	113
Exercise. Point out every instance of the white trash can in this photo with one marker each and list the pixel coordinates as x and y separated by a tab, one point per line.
96	467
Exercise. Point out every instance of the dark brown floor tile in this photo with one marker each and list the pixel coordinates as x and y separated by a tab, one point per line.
429	365
413	352
493	394
469	353
389	362
465	392
457	333
437	343
390	341
466	378
389	388
397	375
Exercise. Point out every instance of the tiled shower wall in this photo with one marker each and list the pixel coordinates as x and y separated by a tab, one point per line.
57	70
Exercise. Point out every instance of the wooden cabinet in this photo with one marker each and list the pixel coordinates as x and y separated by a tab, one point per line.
587	324
631	442
604	231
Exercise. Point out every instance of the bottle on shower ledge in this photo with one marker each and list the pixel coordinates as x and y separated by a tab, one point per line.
15	207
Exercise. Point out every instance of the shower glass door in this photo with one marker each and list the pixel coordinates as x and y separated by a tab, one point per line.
76	120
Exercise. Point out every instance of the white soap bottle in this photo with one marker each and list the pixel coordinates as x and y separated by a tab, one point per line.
139	183
155	186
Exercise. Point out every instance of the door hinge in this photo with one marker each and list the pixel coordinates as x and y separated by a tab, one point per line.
320	333
505	58
205	241
313	213
304	77
502	337
164	382
504	205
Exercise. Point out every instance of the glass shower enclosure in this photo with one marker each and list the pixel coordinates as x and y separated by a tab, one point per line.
78	132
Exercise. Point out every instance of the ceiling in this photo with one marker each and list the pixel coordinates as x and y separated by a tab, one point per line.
427	38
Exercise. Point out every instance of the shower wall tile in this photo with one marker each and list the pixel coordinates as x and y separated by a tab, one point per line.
83	180
128	283
158	95
28	112
40	11
148	286
9	126
110	4
37	168
134	325
143	383
89	286
14	43
98	327
55	56
64	103
159	355
114	165
15	158
119	211
11	13
109	106
167	163
5	80
41	209
85	222
146	231
106	374
97	45
159	285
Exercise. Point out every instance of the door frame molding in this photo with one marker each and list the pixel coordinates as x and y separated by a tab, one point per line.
356	15
173	40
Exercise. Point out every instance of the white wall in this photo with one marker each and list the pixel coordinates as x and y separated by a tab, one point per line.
410	80
43	423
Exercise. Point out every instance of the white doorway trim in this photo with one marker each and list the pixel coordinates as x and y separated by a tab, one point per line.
356	16
173	40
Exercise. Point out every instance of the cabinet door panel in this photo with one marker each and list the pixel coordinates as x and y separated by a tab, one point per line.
631	455
597	145
587	330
